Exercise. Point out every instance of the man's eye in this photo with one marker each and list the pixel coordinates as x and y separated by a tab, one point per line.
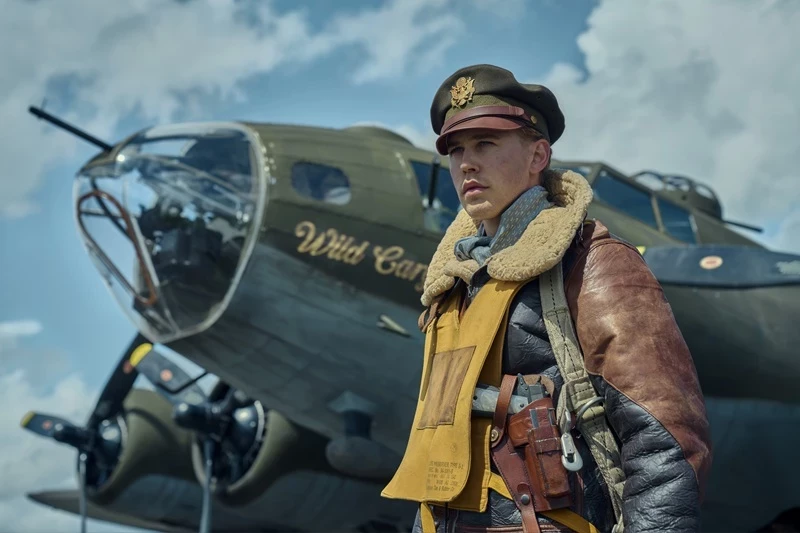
485	143
454	150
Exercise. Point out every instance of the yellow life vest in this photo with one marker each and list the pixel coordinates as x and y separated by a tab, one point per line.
447	456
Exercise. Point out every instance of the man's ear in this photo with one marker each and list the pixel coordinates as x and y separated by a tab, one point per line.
541	156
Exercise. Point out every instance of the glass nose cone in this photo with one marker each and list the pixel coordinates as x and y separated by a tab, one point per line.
170	221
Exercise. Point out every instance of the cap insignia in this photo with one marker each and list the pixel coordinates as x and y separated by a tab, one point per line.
461	92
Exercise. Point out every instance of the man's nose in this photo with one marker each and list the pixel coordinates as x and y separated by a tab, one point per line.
468	164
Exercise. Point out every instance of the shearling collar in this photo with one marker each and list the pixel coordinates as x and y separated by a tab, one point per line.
540	247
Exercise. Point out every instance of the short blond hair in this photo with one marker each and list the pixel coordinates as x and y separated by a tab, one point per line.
531	135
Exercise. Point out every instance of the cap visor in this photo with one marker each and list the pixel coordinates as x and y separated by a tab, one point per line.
488	123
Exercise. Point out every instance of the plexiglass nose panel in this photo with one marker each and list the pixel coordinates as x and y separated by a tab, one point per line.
170	223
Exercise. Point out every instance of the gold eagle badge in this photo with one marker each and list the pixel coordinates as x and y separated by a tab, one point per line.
461	92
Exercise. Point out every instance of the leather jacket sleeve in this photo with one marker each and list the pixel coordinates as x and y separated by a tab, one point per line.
641	365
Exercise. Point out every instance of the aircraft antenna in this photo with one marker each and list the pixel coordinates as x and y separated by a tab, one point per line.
743	225
44	115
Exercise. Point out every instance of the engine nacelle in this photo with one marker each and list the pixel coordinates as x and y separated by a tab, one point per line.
151	445
290	483
276	447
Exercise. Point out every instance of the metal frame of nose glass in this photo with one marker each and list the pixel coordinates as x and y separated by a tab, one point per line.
148	302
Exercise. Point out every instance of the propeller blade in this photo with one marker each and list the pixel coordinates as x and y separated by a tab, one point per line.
168	377
722	266
208	456
82	474
43	424
119	384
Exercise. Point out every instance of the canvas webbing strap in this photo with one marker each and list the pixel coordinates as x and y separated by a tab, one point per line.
578	389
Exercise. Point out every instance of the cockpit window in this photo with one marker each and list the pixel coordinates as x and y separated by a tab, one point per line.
321	182
678	222
625	197
226	157
446	203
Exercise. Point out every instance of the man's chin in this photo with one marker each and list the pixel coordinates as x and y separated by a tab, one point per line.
481	212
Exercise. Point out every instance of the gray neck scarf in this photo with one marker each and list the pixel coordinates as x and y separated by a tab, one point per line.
513	223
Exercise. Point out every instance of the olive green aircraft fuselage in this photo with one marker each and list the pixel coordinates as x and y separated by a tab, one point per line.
289	261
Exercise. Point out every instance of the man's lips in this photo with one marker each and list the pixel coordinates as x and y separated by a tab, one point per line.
471	187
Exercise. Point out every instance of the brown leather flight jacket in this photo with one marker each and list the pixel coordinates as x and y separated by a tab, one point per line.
635	352
639	363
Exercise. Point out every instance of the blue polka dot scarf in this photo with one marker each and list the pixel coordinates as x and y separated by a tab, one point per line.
513	222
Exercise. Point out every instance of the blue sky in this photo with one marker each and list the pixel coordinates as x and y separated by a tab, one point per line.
50	277
643	84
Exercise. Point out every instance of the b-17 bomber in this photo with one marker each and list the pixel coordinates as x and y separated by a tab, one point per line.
288	261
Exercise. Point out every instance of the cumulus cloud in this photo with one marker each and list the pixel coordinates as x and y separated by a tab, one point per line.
11	330
48	364
505	9
785	239
424	139
417	137
30	463
101	64
704	89
395	32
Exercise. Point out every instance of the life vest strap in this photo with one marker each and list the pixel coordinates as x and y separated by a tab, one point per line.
571	519
426	518
566	517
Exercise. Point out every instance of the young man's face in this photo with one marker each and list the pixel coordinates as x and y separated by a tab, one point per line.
491	168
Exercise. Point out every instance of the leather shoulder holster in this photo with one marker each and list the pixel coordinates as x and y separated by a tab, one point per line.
526	449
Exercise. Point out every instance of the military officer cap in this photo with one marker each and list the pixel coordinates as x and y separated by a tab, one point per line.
486	96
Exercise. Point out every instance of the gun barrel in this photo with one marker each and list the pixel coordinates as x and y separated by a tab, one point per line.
42	114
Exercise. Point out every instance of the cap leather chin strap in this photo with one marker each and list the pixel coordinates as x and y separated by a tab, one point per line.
578	390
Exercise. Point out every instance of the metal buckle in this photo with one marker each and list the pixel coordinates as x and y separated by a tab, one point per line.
586	406
570	457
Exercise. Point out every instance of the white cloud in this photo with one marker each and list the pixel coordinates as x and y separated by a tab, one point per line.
504	9
705	89
20	209
29	463
786	237
421	139
394	33
424	139
148	57
11	330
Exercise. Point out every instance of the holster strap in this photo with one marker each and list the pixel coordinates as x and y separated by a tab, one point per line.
501	409
565	517
513	471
